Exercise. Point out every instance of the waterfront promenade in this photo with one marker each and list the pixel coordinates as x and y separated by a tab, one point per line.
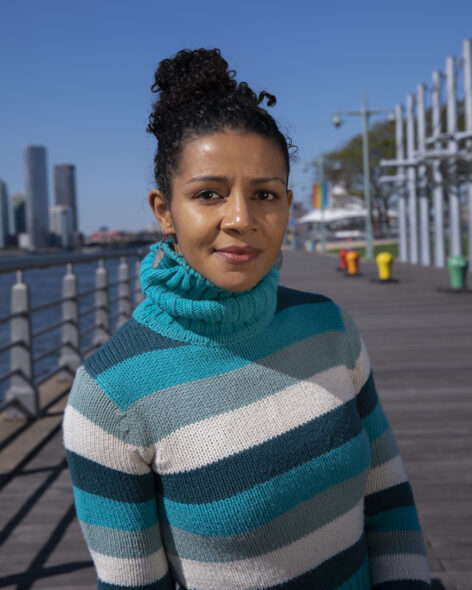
420	342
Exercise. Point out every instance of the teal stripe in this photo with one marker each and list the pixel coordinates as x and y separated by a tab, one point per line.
376	423
397	519
113	514
251	508
303	519
191	363
119	543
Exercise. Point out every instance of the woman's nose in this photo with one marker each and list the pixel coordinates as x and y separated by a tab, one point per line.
238	214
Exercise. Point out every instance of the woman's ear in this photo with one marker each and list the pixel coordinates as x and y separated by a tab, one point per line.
161	211
290	198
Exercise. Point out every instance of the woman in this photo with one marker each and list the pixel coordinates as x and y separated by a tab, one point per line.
229	435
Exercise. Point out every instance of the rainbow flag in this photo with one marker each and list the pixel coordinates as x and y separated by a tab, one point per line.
320	195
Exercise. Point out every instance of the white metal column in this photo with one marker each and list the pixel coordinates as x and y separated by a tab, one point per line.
412	205
425	250
400	155
438	195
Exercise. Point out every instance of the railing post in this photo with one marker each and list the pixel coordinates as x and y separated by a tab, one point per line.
124	302
21	360
102	311
70	353
138	294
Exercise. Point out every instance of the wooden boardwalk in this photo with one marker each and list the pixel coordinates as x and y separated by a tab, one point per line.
420	343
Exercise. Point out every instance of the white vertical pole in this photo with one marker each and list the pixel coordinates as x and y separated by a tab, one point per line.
422	178
438	196
369	251
124	300
400	154
321	181
455	248
412	206
467	55
70	352
21	358
102	311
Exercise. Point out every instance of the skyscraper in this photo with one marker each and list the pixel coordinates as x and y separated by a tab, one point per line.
3	215
18	201
60	225
64	183
37	210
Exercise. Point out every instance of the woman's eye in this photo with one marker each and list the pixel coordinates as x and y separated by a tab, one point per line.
266	196
207	195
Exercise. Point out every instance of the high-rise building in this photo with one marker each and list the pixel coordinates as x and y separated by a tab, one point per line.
64	184
3	215
60	226
18	201
37	210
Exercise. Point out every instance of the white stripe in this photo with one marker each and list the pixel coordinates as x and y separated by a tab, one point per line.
399	566
85	438
130	572
277	566
215	438
386	475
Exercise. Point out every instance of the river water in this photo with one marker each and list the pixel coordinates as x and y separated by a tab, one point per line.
46	285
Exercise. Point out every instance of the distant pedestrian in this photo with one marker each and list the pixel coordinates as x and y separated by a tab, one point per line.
229	435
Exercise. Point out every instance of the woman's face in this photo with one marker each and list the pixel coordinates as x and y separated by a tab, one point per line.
230	207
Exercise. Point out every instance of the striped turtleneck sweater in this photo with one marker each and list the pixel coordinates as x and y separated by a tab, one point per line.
235	441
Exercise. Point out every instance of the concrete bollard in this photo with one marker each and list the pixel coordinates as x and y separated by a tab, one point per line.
21	359
457	266
352	263
102	311
70	352
124	302
384	263
138	294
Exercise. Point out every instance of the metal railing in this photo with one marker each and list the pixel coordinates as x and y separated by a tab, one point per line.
22	396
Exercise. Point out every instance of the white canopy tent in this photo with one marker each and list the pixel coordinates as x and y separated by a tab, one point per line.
329	214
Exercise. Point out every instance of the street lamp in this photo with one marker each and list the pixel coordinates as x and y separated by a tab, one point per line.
364	113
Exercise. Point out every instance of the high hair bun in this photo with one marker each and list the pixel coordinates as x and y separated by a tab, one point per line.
193	75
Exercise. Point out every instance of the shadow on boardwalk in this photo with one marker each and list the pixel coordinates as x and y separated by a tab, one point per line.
419	341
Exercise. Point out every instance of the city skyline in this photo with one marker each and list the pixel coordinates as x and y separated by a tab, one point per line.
91	100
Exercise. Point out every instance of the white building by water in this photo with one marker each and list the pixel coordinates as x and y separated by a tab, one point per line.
61	225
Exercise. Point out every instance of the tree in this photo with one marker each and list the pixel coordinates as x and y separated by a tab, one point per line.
350	173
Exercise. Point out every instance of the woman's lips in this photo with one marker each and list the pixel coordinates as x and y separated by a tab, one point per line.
237	255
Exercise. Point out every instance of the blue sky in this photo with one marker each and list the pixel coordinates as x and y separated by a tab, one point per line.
75	77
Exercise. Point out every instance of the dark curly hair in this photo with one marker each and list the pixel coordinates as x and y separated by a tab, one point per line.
198	95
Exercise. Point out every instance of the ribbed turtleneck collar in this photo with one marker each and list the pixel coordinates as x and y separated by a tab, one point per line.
183	305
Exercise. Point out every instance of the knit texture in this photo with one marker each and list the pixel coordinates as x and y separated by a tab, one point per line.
235	441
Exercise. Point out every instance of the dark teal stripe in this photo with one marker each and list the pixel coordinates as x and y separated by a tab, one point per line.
290	297
130	340
103	481
165	583
394	497
397	519
331	573
256	465
403	585
367	398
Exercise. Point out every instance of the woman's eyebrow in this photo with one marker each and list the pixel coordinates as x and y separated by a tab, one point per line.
224	179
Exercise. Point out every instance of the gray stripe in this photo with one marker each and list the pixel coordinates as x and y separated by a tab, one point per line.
384	448
353	337
166	410
281	531
118	543
391	542
88	398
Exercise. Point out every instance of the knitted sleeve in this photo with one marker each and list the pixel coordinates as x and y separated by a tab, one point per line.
397	554
114	492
